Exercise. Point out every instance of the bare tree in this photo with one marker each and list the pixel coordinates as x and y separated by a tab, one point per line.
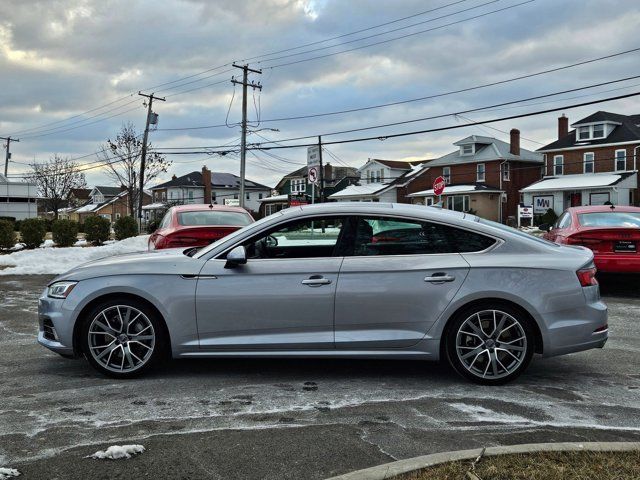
122	159
55	179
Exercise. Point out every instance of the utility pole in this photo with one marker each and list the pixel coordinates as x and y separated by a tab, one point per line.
143	156
243	141
8	155
321	169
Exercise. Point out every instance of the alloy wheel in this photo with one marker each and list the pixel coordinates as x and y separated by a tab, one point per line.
121	338
491	344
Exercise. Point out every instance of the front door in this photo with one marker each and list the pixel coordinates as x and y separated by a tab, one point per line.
401	276
282	298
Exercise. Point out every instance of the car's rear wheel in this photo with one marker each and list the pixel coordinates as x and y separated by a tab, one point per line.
122	339
490	345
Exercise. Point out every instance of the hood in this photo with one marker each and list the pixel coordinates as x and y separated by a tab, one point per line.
156	262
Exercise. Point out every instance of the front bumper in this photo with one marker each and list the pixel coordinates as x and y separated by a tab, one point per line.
55	329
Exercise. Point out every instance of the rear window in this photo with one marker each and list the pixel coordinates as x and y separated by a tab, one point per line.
213	217
610	219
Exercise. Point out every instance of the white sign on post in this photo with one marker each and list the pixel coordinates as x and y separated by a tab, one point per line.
314	175
524	211
313	156
542	203
232	202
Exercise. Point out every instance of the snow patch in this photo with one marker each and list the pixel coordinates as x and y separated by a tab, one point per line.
47	261
482	414
6	473
115	452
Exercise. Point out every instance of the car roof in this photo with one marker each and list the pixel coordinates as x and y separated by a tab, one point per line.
603	208
195	207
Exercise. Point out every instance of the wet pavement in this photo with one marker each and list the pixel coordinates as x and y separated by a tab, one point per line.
297	419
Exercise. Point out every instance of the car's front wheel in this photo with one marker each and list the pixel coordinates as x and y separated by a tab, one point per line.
490	345
122	339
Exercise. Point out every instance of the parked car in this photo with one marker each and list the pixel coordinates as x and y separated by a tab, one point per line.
197	225
611	232
355	280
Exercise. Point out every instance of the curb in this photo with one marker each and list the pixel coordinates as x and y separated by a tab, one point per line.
389	470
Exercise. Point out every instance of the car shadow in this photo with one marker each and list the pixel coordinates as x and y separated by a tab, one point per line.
619	285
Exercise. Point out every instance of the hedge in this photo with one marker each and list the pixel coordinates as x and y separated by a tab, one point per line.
97	229
64	232
32	232
7	235
125	227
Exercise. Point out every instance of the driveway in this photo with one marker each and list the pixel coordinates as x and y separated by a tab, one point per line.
296	419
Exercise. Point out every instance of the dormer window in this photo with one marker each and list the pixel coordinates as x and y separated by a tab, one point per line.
591	132
467	149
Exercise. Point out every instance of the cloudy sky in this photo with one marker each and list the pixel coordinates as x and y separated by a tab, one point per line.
70	71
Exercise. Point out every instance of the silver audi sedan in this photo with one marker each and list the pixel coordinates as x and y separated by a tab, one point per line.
368	280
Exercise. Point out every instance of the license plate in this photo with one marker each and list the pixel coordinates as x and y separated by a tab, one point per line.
625	246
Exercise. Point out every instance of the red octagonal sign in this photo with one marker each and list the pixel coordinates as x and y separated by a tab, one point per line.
438	186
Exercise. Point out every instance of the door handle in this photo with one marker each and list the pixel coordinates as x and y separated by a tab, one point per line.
316	281
439	277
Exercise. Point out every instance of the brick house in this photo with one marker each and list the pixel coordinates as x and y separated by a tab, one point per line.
483	175
107	202
295	189
592	164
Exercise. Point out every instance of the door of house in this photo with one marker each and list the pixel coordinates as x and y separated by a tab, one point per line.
576	199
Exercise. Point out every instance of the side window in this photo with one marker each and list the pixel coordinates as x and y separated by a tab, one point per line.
563	221
166	220
307	238
389	236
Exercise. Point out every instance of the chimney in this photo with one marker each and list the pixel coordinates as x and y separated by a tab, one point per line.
328	173
173	177
206	181
515	142
563	126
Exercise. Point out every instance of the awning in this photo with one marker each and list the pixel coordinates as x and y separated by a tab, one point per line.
455	190
584	181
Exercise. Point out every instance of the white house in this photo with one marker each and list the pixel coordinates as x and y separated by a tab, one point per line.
18	199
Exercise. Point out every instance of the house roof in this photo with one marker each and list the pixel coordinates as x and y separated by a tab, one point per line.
218	180
397	164
572	182
487	149
80	193
275	198
627	130
459	189
107	191
360	190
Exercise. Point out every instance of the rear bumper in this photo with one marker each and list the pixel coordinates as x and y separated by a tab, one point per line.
618	262
577	330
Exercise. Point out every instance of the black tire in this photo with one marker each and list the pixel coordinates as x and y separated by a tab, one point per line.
489	352
148	323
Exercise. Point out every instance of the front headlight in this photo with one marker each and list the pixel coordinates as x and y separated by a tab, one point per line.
60	289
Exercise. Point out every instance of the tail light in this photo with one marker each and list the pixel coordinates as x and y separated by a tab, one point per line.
587	276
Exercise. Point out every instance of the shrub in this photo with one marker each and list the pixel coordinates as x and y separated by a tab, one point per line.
64	232
97	229
125	227
7	235
549	217
32	232
9	219
152	226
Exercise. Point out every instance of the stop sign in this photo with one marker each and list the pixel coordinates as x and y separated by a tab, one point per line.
438	186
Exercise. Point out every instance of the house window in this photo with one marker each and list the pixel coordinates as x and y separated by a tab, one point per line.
621	160
466	149
368	176
583	133
558	165
588	162
480	172
190	196
446	174
459	203
506	172
598	130
428	201
298	185
379	175
248	196
259	196
117	216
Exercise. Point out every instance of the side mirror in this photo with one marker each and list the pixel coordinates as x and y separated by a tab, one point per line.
237	256
545	227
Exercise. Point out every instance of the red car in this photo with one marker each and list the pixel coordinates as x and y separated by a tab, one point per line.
197	225
612	232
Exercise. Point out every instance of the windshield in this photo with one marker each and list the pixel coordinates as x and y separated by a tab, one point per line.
610	219
213	217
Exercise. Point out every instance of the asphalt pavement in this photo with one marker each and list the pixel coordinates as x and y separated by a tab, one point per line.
298	419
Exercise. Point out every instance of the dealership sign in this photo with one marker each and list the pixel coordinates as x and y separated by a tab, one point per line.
542	203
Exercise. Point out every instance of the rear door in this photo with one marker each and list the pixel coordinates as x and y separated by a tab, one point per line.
398	278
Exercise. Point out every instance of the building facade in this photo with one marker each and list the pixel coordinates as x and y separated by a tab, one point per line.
483	176
592	164
18	199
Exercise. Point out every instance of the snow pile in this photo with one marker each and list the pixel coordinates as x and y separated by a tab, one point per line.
6	473
115	452
60	260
